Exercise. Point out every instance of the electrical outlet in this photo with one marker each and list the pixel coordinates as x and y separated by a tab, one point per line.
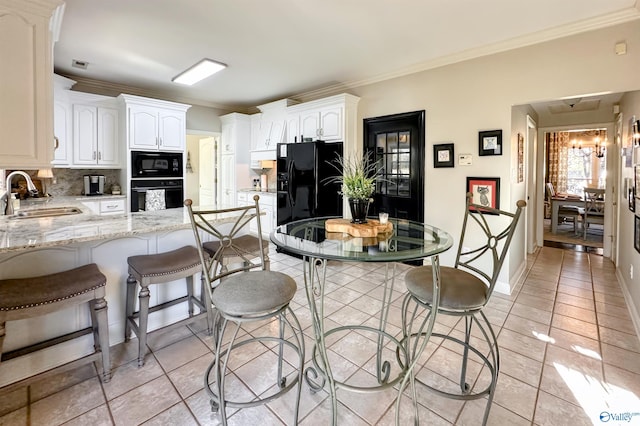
631	271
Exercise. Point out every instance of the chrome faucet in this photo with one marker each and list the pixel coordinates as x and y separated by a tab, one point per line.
8	210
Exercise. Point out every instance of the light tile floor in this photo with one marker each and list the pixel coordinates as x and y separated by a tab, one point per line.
569	352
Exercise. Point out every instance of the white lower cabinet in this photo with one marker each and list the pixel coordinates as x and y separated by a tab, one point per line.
106	207
267	204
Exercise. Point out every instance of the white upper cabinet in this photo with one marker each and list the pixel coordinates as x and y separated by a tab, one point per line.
293	127
95	136
26	82
153	125
271	131
325	123
328	119
62	122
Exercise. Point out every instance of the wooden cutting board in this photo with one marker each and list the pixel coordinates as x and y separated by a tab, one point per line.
372	228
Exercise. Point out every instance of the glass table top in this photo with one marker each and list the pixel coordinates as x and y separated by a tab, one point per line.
408	240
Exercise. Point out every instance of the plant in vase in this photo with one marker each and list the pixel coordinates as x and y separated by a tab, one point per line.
357	181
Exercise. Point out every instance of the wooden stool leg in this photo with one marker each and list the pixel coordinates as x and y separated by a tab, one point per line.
99	312
129	306
142	325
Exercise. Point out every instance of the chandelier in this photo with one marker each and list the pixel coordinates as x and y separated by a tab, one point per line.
599	146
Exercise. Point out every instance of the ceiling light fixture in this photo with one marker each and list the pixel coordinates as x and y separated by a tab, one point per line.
199	71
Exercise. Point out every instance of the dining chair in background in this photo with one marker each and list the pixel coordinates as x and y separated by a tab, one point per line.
593	208
241	292
566	213
465	289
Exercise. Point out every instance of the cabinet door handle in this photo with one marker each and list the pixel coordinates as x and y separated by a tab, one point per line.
160	141
56	142
99	155
94	155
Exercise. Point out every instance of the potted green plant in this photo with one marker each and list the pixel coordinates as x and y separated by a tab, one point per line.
357	181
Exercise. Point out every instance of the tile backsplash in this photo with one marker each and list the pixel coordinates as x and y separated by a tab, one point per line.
69	182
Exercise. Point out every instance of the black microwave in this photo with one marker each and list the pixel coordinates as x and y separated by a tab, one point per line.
156	164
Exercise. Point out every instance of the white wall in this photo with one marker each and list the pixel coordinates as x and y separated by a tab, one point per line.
628	257
464	98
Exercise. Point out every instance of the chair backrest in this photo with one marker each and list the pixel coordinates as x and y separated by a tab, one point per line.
485	240
225	226
551	192
594	201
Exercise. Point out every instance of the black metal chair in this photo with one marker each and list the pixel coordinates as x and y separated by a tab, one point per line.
241	292
465	289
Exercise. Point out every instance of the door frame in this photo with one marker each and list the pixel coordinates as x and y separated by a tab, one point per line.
611	206
534	237
419	117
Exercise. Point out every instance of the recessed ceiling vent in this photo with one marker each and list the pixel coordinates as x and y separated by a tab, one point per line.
79	64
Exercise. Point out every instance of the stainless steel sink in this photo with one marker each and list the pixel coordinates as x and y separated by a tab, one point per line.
48	212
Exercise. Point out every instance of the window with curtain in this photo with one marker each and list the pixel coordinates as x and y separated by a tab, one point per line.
573	162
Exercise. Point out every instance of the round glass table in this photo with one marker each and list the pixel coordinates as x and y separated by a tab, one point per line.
406	241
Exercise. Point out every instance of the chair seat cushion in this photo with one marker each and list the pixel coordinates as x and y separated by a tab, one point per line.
459	290
244	243
22	293
165	263
253	292
572	210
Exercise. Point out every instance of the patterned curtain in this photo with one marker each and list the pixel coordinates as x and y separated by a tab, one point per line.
558	155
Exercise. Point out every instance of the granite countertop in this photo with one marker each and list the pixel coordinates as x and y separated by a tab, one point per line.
270	191
22	234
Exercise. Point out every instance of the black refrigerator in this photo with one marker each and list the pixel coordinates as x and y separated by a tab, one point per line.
303	190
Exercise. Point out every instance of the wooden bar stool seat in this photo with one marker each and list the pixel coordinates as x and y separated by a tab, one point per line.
23	298
159	269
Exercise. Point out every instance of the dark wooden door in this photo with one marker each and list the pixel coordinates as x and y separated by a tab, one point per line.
397	143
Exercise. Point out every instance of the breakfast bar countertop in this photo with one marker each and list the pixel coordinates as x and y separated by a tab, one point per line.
27	233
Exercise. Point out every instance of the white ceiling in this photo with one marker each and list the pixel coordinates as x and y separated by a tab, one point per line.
280	48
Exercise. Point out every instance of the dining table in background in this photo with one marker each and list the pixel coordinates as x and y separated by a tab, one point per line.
407	241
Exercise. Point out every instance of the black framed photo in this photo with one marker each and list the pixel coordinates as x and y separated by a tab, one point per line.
631	198
485	191
443	155
636	233
490	142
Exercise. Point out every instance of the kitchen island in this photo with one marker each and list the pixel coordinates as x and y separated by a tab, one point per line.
39	246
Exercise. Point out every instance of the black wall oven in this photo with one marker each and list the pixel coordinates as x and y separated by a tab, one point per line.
156	164
173	192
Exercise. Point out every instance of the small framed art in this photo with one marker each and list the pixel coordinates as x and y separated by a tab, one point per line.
636	233
485	191
520	158
443	155
490	142
631	198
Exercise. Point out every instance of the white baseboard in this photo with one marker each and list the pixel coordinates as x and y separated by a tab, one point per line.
633	309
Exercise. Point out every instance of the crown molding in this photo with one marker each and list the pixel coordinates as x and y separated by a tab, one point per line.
621	17
115	89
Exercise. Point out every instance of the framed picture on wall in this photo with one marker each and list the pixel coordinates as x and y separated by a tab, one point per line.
443	155
636	233
485	191
520	158
631	198
490	142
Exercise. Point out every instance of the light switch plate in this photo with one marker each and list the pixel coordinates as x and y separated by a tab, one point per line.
465	159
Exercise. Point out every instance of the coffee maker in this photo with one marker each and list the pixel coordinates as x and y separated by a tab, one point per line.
93	184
